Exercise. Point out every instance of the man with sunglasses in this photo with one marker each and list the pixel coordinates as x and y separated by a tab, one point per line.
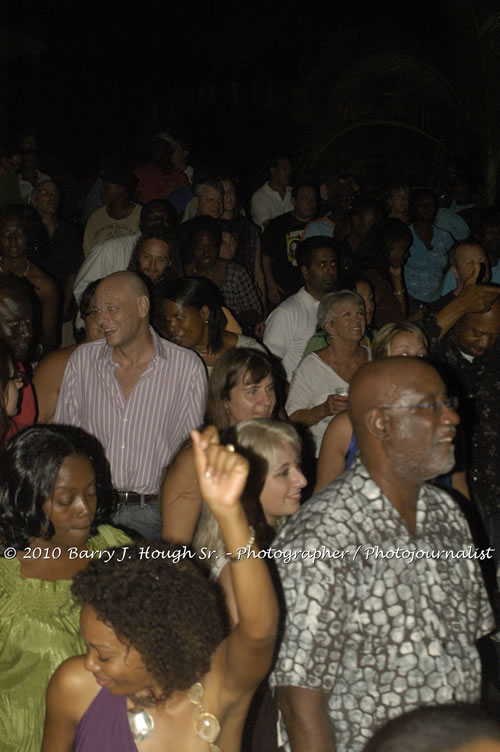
387	616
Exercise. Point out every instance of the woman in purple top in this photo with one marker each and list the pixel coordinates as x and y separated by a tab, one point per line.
161	664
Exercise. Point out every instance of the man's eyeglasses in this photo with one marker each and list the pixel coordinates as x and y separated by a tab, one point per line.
436	407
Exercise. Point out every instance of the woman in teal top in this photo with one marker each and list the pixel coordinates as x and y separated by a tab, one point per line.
54	502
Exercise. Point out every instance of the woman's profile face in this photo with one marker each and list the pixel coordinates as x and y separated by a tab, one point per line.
72	504
184	325
249	400
283	485
11	392
116	664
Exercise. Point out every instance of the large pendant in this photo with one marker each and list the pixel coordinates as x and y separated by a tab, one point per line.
206	725
141	724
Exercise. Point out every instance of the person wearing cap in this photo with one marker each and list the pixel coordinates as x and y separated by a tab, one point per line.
119	215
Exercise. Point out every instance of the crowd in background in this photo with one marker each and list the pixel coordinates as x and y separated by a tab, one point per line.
159	301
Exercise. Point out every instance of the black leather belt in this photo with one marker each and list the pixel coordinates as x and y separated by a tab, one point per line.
132	497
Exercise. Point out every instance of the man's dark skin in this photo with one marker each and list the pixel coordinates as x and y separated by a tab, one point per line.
475	333
401	446
304	210
280	174
16	322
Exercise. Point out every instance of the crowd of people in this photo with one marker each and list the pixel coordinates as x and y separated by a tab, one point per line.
249	464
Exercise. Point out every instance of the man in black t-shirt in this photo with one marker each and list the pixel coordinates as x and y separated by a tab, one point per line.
280	240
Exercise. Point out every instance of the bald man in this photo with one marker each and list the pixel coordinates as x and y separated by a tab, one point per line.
441	728
139	394
385	601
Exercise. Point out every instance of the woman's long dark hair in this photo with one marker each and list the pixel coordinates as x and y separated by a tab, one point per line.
30	466
389	232
197	292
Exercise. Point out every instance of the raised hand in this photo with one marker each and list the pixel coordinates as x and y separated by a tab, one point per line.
477	298
222	473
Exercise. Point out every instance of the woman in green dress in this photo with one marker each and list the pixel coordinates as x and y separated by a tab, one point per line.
54	502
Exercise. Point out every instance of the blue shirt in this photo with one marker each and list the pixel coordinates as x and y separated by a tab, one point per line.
424	268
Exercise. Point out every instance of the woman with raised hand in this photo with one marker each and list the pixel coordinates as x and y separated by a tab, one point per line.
161	670
272	494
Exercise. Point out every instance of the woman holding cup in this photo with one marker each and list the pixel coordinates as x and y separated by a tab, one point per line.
320	384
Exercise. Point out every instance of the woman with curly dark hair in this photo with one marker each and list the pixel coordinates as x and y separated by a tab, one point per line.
53	506
160	662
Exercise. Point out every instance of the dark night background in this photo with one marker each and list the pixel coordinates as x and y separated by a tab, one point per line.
100	77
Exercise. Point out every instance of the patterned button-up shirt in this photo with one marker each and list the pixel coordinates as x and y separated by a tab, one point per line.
392	622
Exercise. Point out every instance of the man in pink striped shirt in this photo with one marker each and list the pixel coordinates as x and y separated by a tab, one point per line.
137	393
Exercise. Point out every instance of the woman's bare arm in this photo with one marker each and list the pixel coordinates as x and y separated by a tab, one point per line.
249	647
47	292
331	460
70	692
180	498
47	380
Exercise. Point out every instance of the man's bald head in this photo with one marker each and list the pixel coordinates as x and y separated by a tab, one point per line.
441	728
122	303
127	281
402	420
383	382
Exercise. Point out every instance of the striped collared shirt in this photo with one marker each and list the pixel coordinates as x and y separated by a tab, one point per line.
140	435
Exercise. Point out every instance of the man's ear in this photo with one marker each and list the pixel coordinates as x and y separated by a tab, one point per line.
454	271
143	306
377	422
